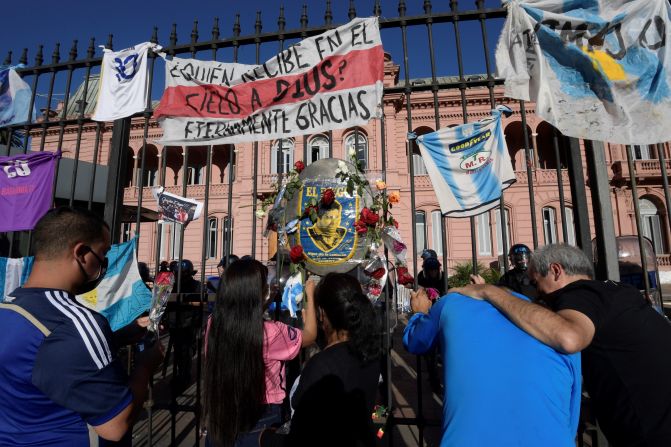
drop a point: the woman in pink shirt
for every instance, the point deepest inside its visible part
(244, 367)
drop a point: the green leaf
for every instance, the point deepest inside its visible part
(350, 187)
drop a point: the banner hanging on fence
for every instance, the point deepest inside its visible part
(15, 96)
(123, 83)
(330, 81)
(26, 189)
(597, 69)
(174, 208)
(469, 165)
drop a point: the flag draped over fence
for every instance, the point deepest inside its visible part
(469, 165)
(330, 81)
(15, 96)
(26, 189)
(121, 296)
(123, 83)
(597, 69)
(13, 273)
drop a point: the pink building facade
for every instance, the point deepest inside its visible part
(206, 237)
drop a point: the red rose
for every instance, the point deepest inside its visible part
(369, 217)
(404, 277)
(328, 196)
(296, 254)
(378, 274)
(299, 166)
(360, 227)
(308, 211)
(375, 290)
(395, 223)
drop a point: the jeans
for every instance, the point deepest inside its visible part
(271, 416)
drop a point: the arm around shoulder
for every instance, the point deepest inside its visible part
(567, 331)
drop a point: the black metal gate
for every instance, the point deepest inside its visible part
(100, 184)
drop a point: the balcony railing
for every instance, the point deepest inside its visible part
(644, 169)
(664, 260)
(192, 191)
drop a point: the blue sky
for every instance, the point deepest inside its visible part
(28, 24)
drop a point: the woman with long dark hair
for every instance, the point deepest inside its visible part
(336, 392)
(244, 370)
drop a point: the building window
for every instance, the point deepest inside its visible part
(570, 226)
(170, 241)
(318, 148)
(359, 142)
(418, 164)
(126, 234)
(437, 231)
(652, 225)
(642, 152)
(233, 166)
(285, 160)
(420, 231)
(196, 175)
(212, 231)
(227, 232)
(484, 234)
(499, 231)
(549, 225)
(149, 176)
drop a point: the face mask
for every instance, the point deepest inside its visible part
(91, 284)
(521, 261)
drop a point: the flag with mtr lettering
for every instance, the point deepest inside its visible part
(325, 82)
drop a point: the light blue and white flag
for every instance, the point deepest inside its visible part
(13, 273)
(292, 296)
(15, 95)
(597, 69)
(469, 165)
(121, 296)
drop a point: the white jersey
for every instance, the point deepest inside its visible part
(469, 165)
(123, 83)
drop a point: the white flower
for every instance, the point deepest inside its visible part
(352, 152)
(342, 168)
(260, 214)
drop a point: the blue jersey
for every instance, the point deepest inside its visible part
(58, 373)
(502, 387)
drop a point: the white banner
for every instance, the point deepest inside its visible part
(326, 82)
(123, 83)
(595, 68)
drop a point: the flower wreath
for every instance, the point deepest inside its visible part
(375, 222)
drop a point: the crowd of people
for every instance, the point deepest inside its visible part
(516, 356)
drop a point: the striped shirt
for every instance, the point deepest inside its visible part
(58, 371)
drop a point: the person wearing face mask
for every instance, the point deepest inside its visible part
(58, 368)
(517, 279)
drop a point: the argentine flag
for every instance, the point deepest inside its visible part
(15, 95)
(13, 273)
(469, 165)
(121, 296)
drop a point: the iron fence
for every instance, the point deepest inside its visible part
(72, 116)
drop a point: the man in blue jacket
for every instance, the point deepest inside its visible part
(502, 386)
